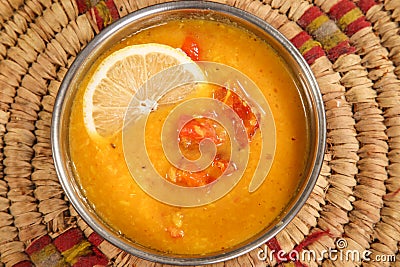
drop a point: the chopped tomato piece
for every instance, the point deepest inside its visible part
(175, 232)
(240, 106)
(191, 48)
(198, 129)
(200, 178)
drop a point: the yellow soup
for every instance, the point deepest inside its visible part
(239, 215)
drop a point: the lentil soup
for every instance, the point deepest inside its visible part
(120, 202)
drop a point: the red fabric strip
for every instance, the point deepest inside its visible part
(98, 18)
(299, 264)
(300, 39)
(313, 54)
(96, 259)
(310, 239)
(95, 239)
(274, 245)
(113, 9)
(23, 264)
(90, 261)
(365, 5)
(341, 8)
(83, 6)
(341, 49)
(308, 16)
(68, 239)
(38, 244)
(357, 25)
(99, 254)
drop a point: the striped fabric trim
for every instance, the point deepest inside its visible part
(309, 48)
(326, 32)
(68, 249)
(350, 18)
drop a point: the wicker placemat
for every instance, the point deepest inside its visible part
(353, 49)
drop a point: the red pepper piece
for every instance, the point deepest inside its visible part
(242, 109)
(191, 48)
(195, 179)
(198, 129)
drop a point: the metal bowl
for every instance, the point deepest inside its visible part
(151, 16)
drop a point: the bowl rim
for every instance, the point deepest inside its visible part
(224, 9)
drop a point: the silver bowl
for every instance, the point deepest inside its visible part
(151, 16)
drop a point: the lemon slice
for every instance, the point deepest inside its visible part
(117, 79)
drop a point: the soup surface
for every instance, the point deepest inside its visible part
(120, 201)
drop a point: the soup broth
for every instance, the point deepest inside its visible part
(120, 202)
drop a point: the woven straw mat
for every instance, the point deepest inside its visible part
(353, 49)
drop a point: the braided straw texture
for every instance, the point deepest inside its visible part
(353, 49)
